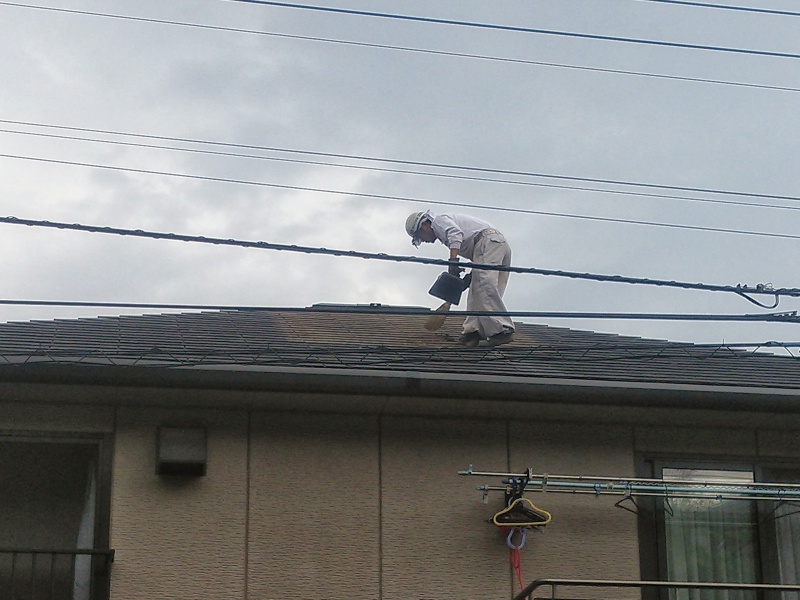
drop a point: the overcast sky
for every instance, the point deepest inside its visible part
(151, 74)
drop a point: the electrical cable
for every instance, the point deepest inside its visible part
(415, 163)
(517, 29)
(743, 291)
(526, 211)
(637, 345)
(766, 11)
(412, 49)
(401, 171)
(379, 309)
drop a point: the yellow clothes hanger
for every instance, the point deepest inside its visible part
(522, 513)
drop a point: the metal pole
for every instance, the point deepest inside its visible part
(648, 487)
(606, 583)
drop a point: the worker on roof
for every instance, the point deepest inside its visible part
(478, 242)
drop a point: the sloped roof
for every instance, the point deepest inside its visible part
(367, 340)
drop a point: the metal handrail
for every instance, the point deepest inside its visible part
(50, 573)
(80, 551)
(537, 583)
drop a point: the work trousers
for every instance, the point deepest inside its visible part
(487, 287)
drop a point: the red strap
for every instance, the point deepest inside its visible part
(514, 556)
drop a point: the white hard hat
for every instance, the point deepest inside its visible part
(413, 222)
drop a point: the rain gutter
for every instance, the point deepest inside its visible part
(411, 384)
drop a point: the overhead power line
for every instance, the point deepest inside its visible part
(410, 49)
(353, 194)
(517, 29)
(387, 169)
(380, 309)
(415, 163)
(749, 9)
(743, 291)
(484, 179)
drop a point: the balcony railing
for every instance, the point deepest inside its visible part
(548, 589)
(47, 574)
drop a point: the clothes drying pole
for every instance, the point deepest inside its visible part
(640, 487)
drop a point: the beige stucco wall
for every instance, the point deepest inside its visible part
(436, 542)
(314, 507)
(21, 417)
(588, 538)
(178, 538)
(350, 506)
(368, 506)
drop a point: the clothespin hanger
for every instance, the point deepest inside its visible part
(516, 486)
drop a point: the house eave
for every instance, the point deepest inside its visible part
(408, 384)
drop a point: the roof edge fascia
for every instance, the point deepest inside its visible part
(413, 383)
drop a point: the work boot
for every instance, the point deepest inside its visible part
(470, 340)
(504, 337)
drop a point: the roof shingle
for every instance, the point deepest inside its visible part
(370, 340)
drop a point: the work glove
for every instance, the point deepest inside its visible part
(453, 267)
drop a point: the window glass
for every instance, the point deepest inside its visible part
(787, 531)
(785, 518)
(711, 540)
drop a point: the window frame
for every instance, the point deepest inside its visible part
(651, 526)
(103, 443)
